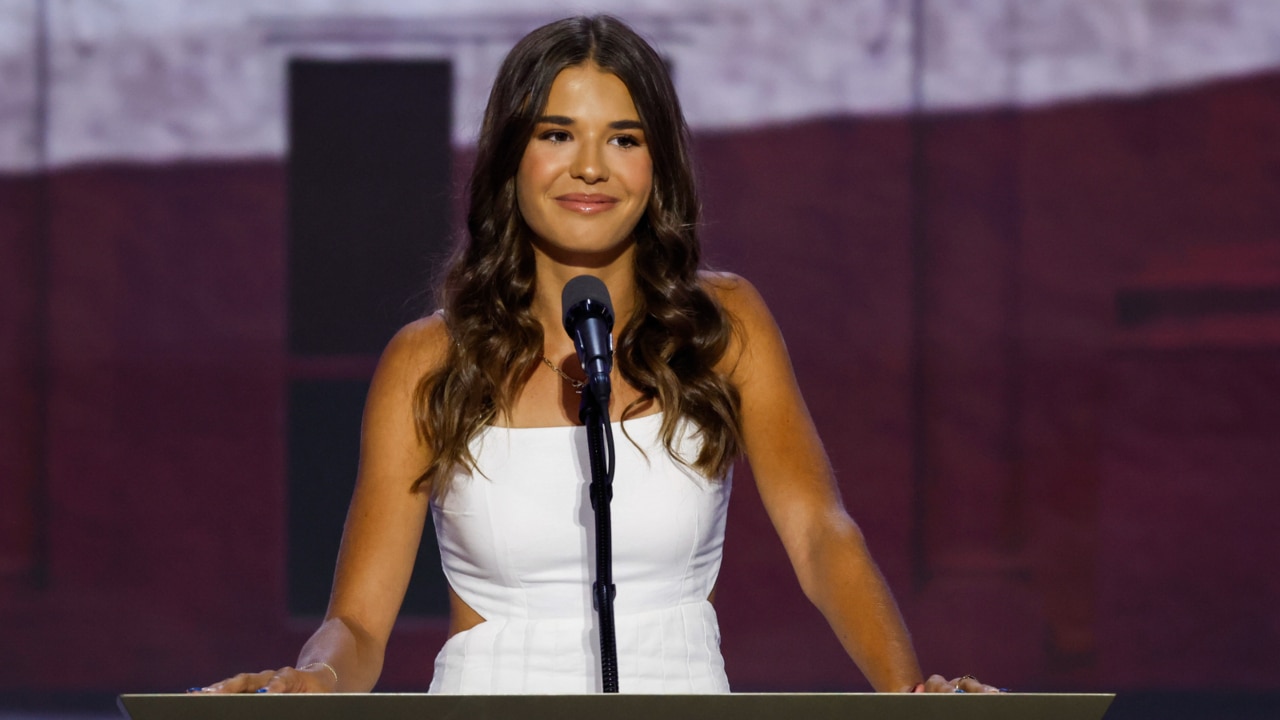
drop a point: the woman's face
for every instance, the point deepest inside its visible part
(586, 174)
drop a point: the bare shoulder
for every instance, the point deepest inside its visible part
(755, 334)
(391, 450)
(740, 298)
(416, 350)
(735, 294)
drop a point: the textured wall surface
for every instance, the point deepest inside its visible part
(161, 80)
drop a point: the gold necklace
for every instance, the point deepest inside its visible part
(576, 384)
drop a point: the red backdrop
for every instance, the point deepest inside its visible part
(1041, 346)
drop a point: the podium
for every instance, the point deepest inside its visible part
(734, 706)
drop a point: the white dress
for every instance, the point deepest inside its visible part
(517, 545)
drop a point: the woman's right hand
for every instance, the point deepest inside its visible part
(313, 678)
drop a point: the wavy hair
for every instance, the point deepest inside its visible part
(678, 333)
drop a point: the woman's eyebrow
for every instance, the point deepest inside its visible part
(555, 120)
(566, 120)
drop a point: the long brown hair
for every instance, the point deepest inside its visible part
(678, 333)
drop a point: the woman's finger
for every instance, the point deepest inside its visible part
(971, 684)
(938, 684)
(296, 680)
(284, 680)
(962, 684)
(242, 683)
(277, 683)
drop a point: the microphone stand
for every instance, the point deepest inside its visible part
(594, 414)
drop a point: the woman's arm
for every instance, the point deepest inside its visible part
(798, 489)
(380, 540)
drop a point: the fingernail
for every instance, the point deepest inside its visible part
(195, 689)
(261, 690)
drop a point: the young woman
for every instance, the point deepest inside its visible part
(583, 168)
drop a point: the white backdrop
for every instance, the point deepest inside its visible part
(162, 80)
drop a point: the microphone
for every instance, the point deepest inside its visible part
(588, 318)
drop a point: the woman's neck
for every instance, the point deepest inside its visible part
(618, 277)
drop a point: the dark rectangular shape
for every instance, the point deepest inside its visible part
(324, 451)
(369, 199)
(1141, 306)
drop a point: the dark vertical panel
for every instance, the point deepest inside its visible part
(324, 445)
(368, 196)
(369, 211)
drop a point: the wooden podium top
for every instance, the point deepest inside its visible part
(735, 706)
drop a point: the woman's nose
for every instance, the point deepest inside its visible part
(589, 164)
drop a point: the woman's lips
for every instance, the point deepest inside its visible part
(587, 204)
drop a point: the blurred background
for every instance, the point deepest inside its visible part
(1026, 255)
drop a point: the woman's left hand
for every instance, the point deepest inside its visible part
(962, 684)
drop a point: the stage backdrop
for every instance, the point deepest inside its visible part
(1026, 257)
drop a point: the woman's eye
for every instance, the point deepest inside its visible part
(626, 141)
(556, 136)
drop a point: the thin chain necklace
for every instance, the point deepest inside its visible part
(576, 384)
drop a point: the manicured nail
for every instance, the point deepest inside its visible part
(195, 689)
(262, 689)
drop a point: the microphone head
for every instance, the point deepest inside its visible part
(585, 296)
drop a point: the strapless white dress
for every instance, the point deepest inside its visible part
(517, 543)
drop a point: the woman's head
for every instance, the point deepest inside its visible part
(677, 334)
(519, 97)
(586, 177)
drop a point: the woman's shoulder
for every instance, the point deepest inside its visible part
(736, 295)
(417, 349)
(754, 335)
(719, 281)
